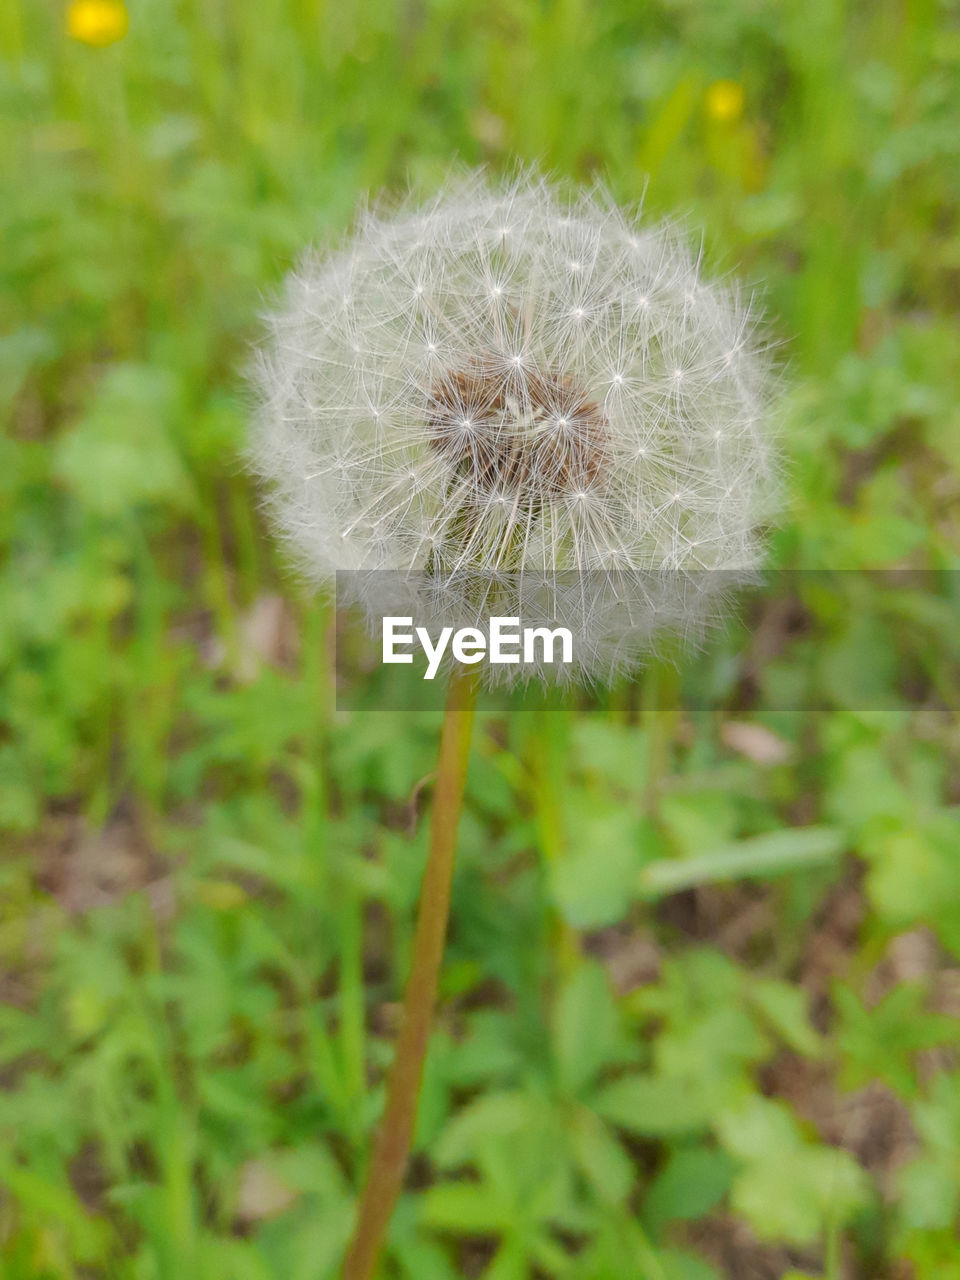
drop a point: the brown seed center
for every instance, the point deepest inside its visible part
(504, 427)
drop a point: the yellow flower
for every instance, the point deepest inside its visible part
(725, 101)
(97, 22)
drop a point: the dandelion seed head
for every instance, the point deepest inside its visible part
(461, 443)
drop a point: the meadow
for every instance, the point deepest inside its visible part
(700, 1012)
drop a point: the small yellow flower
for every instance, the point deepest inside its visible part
(220, 895)
(725, 101)
(97, 22)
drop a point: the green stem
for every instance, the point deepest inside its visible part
(660, 719)
(385, 1176)
(548, 761)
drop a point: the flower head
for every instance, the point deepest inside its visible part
(518, 403)
(725, 100)
(97, 22)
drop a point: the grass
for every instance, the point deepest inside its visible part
(700, 1007)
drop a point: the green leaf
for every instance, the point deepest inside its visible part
(863, 793)
(784, 1008)
(929, 1195)
(914, 877)
(611, 752)
(655, 1104)
(466, 1207)
(881, 1042)
(510, 1263)
(678, 1264)
(787, 1188)
(120, 454)
(600, 1157)
(929, 1185)
(692, 1182)
(492, 1117)
(773, 853)
(593, 883)
(698, 822)
(585, 1026)
(88, 1235)
(712, 1046)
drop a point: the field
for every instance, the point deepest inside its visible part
(700, 1012)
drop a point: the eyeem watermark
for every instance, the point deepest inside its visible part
(504, 642)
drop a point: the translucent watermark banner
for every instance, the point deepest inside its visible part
(727, 640)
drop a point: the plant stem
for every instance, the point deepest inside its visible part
(389, 1162)
(548, 759)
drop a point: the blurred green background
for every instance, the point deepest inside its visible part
(701, 1008)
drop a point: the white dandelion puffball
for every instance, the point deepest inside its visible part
(510, 402)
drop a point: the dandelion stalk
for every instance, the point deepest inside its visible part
(389, 1162)
(510, 404)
